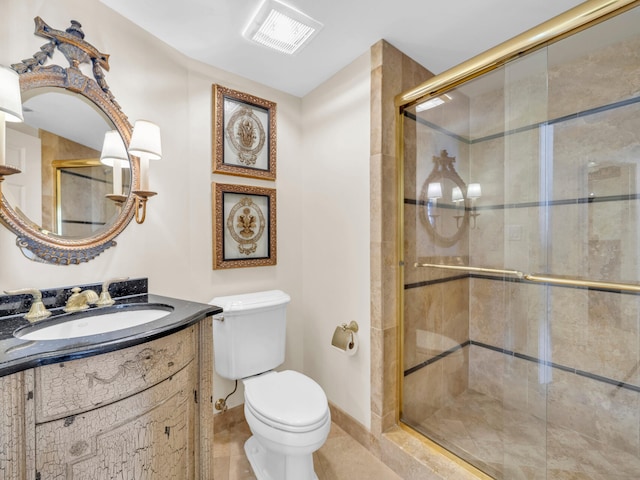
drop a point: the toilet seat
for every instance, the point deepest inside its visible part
(287, 400)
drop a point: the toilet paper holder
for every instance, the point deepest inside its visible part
(344, 336)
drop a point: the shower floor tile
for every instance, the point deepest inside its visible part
(510, 444)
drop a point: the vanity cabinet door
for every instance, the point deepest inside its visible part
(16, 426)
(69, 388)
(148, 436)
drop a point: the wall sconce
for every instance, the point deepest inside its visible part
(145, 144)
(114, 155)
(457, 198)
(10, 111)
(474, 191)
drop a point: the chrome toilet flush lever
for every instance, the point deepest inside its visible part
(37, 311)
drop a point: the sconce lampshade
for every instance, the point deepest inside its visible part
(434, 190)
(113, 150)
(474, 190)
(10, 99)
(145, 140)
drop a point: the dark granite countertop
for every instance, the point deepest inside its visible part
(18, 354)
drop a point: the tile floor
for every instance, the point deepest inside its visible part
(340, 458)
(513, 445)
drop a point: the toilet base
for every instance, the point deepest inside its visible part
(273, 466)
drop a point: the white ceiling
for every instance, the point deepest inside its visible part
(439, 35)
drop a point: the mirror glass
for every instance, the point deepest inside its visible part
(63, 187)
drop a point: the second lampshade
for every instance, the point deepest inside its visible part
(145, 143)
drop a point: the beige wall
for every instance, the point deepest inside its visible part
(173, 247)
(335, 262)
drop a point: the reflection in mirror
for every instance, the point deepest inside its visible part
(81, 197)
(443, 211)
(114, 154)
(64, 187)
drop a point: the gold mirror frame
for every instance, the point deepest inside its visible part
(36, 243)
(443, 169)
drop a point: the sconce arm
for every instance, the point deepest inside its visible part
(141, 204)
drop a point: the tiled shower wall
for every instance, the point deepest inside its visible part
(569, 355)
(436, 316)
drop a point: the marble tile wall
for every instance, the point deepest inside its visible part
(598, 410)
(558, 197)
(590, 331)
(434, 386)
(434, 325)
(590, 230)
(435, 320)
(391, 73)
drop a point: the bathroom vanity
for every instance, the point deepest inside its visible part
(110, 396)
(131, 404)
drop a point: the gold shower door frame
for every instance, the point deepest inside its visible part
(564, 25)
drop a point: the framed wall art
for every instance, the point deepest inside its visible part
(244, 134)
(244, 226)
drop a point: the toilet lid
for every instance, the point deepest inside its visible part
(287, 399)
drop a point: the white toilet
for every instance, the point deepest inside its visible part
(287, 412)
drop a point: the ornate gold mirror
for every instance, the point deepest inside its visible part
(443, 198)
(64, 204)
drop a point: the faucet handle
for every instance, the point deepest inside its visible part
(37, 311)
(105, 298)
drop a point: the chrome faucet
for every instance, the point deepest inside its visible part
(80, 300)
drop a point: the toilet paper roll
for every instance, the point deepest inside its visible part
(345, 340)
(353, 347)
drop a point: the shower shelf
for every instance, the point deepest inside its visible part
(539, 278)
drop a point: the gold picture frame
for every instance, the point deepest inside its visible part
(244, 134)
(244, 226)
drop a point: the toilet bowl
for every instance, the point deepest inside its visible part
(289, 418)
(287, 412)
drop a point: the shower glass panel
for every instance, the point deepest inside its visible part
(531, 168)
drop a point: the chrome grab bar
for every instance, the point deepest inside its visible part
(538, 278)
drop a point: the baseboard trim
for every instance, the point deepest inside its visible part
(227, 419)
(354, 428)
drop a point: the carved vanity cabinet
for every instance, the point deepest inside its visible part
(135, 413)
(17, 426)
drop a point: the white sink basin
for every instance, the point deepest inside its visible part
(88, 325)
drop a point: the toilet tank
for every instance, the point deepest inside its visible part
(249, 336)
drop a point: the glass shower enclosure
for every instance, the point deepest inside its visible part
(521, 233)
